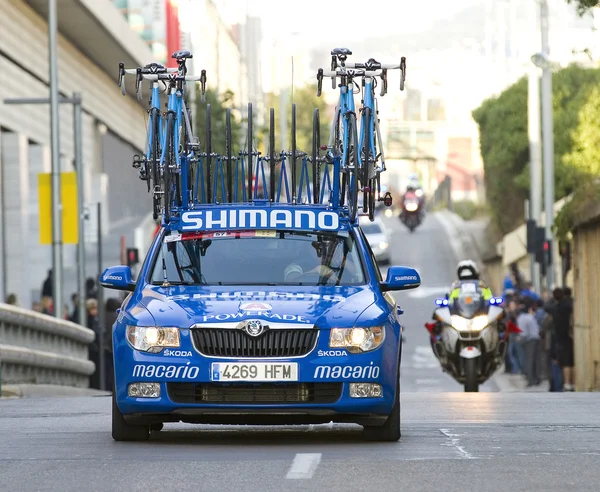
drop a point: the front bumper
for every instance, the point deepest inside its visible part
(192, 396)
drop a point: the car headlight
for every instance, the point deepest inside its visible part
(152, 339)
(383, 245)
(476, 324)
(357, 340)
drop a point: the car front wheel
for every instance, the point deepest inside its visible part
(122, 431)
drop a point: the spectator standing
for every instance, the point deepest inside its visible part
(94, 348)
(112, 304)
(562, 315)
(91, 290)
(530, 340)
(48, 286)
(514, 349)
(12, 300)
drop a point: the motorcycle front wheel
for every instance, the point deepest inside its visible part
(471, 381)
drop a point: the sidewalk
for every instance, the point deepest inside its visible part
(46, 390)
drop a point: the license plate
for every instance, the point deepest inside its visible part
(255, 371)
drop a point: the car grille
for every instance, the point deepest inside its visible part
(254, 393)
(224, 342)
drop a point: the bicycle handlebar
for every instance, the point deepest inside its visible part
(371, 68)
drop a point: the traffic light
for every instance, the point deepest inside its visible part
(132, 257)
(548, 252)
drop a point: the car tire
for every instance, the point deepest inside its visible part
(390, 430)
(122, 431)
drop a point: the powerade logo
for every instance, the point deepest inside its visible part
(164, 371)
(259, 219)
(347, 372)
(278, 317)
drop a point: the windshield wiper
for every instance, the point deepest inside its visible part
(177, 282)
(247, 283)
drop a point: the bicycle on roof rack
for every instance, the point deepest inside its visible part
(170, 144)
(360, 157)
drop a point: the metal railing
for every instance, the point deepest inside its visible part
(40, 349)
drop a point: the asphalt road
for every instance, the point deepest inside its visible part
(430, 250)
(451, 440)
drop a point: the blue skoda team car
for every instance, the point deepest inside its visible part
(258, 314)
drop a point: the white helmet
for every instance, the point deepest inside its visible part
(467, 270)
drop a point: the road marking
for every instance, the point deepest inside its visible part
(454, 441)
(427, 381)
(304, 465)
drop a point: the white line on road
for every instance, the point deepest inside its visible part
(304, 465)
(455, 442)
(426, 381)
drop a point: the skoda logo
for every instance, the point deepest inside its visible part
(253, 327)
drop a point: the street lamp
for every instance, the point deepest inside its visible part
(542, 60)
(534, 131)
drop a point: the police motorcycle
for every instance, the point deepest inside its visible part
(469, 335)
(412, 213)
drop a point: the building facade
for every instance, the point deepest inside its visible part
(93, 39)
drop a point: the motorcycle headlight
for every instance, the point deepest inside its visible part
(357, 340)
(478, 323)
(152, 339)
(411, 207)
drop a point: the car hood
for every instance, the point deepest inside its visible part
(184, 306)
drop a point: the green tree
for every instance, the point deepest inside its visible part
(584, 5)
(502, 124)
(585, 153)
(219, 103)
(306, 101)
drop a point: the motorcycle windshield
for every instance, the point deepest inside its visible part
(470, 301)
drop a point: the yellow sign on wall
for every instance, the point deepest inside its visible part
(70, 212)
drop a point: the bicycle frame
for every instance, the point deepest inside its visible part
(176, 104)
(155, 104)
(371, 123)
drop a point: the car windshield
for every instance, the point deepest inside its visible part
(259, 258)
(371, 228)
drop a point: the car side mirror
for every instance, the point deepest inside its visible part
(401, 278)
(117, 278)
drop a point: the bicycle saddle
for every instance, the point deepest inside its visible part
(182, 55)
(155, 68)
(341, 51)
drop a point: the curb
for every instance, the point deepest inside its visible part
(47, 390)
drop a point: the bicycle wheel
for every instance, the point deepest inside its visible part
(351, 168)
(155, 157)
(366, 154)
(293, 157)
(250, 169)
(272, 154)
(169, 163)
(316, 163)
(228, 153)
(187, 147)
(209, 198)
